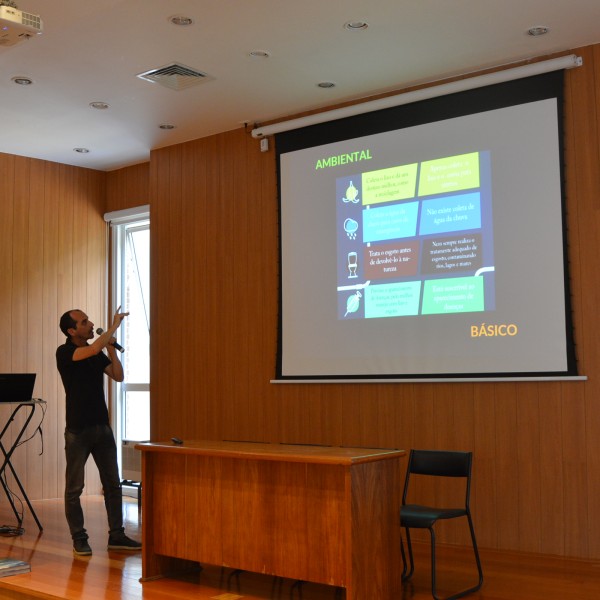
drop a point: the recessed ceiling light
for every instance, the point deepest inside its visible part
(537, 30)
(20, 80)
(166, 126)
(355, 25)
(326, 84)
(259, 54)
(99, 105)
(81, 150)
(181, 20)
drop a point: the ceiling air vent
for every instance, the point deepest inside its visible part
(175, 76)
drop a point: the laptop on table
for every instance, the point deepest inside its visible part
(16, 387)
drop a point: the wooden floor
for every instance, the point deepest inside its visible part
(56, 573)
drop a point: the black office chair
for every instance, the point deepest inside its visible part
(436, 463)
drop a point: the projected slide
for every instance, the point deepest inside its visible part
(416, 244)
(416, 239)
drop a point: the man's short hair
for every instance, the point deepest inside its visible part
(68, 322)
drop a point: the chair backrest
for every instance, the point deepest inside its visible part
(440, 463)
(443, 463)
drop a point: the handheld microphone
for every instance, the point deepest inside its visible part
(117, 346)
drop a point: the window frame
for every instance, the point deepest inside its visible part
(118, 221)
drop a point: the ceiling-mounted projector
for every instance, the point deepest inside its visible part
(17, 26)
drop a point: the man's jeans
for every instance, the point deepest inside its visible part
(99, 441)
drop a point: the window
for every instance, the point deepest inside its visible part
(130, 245)
(135, 298)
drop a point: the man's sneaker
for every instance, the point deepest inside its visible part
(81, 548)
(122, 542)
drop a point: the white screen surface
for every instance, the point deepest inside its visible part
(430, 250)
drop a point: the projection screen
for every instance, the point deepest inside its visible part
(427, 240)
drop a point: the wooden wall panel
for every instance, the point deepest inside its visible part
(52, 254)
(35, 319)
(215, 261)
(483, 493)
(552, 530)
(7, 192)
(208, 312)
(128, 187)
(580, 410)
(53, 273)
(589, 231)
(528, 471)
(18, 311)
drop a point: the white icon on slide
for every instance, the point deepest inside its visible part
(356, 286)
(353, 303)
(352, 265)
(350, 227)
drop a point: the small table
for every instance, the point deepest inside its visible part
(311, 513)
(29, 406)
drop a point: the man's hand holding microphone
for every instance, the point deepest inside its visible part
(107, 337)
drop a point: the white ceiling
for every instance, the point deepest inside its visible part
(92, 50)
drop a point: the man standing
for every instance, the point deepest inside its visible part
(82, 367)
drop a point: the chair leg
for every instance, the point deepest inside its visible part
(276, 587)
(296, 586)
(406, 576)
(234, 574)
(433, 565)
(477, 560)
(476, 552)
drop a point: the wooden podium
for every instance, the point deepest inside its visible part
(313, 513)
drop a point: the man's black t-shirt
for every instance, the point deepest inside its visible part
(84, 387)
